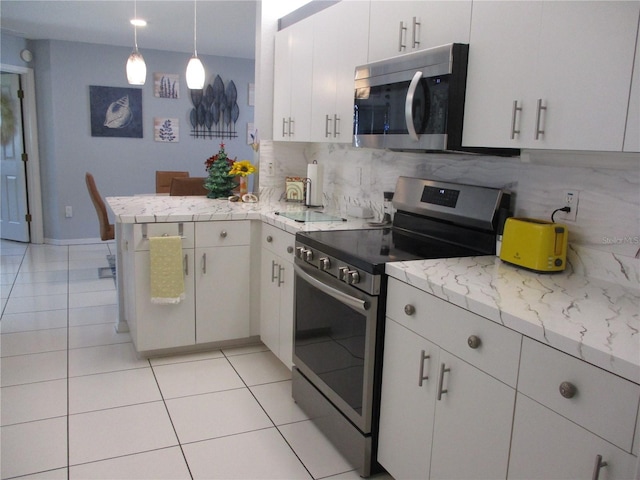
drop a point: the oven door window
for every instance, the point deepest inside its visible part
(335, 343)
(380, 110)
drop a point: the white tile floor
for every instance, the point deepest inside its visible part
(77, 403)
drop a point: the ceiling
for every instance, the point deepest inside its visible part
(224, 28)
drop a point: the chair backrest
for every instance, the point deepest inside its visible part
(188, 186)
(106, 229)
(163, 179)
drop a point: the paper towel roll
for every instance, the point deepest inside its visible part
(314, 187)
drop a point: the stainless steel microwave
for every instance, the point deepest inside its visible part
(413, 101)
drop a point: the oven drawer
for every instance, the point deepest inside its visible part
(278, 241)
(601, 402)
(483, 343)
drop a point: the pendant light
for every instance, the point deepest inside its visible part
(195, 69)
(136, 68)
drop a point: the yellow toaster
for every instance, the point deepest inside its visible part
(535, 244)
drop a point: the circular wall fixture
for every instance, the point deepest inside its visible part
(26, 55)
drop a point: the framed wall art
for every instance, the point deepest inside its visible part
(166, 85)
(115, 111)
(166, 130)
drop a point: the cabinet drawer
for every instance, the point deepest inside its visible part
(142, 232)
(278, 241)
(603, 403)
(223, 233)
(483, 343)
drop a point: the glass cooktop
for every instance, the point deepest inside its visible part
(370, 249)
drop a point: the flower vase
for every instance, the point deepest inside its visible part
(244, 185)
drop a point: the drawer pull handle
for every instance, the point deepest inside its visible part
(269, 239)
(289, 249)
(204, 263)
(443, 370)
(223, 234)
(409, 309)
(568, 389)
(474, 341)
(596, 469)
(423, 357)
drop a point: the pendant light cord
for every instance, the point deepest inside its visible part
(195, 26)
(135, 27)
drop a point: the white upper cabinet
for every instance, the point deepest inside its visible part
(550, 75)
(340, 44)
(292, 79)
(398, 27)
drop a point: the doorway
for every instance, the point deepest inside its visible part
(20, 194)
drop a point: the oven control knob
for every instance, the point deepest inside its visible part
(308, 255)
(353, 277)
(343, 273)
(299, 252)
(325, 264)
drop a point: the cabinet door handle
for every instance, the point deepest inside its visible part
(539, 109)
(186, 264)
(269, 239)
(204, 263)
(291, 122)
(336, 119)
(514, 114)
(289, 249)
(416, 24)
(443, 370)
(423, 357)
(223, 234)
(284, 125)
(403, 29)
(280, 270)
(327, 121)
(273, 269)
(596, 469)
(409, 309)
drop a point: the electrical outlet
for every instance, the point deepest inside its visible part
(68, 211)
(571, 198)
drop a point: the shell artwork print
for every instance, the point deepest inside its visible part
(118, 114)
(115, 111)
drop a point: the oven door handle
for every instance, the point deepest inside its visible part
(342, 297)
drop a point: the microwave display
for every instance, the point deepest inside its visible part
(380, 110)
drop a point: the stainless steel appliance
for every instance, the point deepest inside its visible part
(340, 295)
(413, 101)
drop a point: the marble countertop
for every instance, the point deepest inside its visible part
(591, 319)
(588, 318)
(163, 208)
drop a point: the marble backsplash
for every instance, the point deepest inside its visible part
(604, 239)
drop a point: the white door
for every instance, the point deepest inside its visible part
(13, 186)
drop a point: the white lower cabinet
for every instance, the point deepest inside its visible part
(547, 445)
(276, 295)
(216, 263)
(570, 418)
(222, 280)
(441, 416)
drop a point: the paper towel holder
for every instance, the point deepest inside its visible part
(309, 193)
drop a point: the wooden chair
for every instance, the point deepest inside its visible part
(183, 186)
(163, 179)
(107, 231)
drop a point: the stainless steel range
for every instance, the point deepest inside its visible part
(340, 295)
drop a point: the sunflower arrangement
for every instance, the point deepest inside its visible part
(242, 168)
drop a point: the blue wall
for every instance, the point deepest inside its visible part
(122, 166)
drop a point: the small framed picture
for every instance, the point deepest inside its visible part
(115, 111)
(166, 85)
(166, 130)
